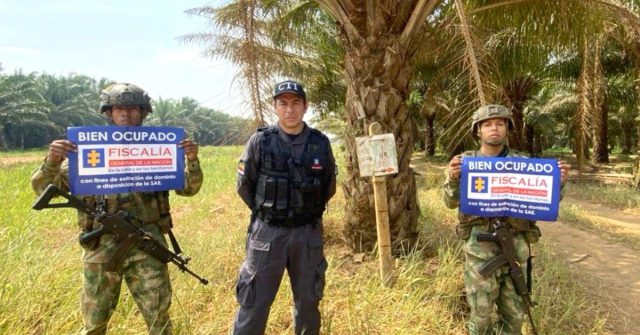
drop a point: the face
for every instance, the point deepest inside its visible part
(126, 115)
(290, 109)
(493, 132)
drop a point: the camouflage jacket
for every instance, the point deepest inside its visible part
(150, 210)
(451, 198)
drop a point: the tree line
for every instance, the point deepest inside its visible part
(37, 108)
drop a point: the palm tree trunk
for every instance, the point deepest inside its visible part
(585, 107)
(3, 140)
(517, 92)
(627, 139)
(636, 179)
(529, 135)
(601, 137)
(379, 95)
(429, 138)
(380, 40)
(538, 145)
(600, 110)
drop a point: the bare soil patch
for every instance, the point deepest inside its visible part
(608, 269)
(6, 161)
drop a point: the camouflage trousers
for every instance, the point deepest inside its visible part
(485, 294)
(148, 283)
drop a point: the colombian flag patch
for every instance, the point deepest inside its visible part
(241, 167)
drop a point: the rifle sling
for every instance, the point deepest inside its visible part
(174, 243)
(101, 207)
(529, 270)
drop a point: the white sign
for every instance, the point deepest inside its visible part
(377, 155)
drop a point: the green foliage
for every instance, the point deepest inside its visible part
(207, 126)
(37, 108)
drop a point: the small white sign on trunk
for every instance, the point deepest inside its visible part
(377, 155)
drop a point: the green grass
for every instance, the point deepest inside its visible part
(618, 196)
(40, 269)
(586, 220)
(16, 153)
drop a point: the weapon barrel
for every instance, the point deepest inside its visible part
(486, 237)
(202, 280)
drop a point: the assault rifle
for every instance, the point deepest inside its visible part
(127, 233)
(503, 236)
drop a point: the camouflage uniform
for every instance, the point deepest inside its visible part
(147, 278)
(483, 293)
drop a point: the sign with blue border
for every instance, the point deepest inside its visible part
(519, 187)
(115, 159)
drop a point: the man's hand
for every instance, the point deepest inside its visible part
(190, 149)
(455, 168)
(564, 170)
(59, 149)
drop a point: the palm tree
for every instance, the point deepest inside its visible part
(23, 110)
(381, 42)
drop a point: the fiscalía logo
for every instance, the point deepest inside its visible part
(480, 184)
(93, 158)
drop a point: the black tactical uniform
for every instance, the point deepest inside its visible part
(287, 181)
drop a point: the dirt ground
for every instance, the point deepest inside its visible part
(607, 268)
(6, 161)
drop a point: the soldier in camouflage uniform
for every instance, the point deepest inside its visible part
(491, 124)
(147, 278)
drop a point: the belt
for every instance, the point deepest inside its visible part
(286, 222)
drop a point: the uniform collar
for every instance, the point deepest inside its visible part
(302, 137)
(503, 153)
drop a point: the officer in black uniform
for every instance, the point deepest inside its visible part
(286, 175)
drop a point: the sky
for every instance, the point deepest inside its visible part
(134, 41)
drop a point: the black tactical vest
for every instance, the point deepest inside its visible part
(291, 188)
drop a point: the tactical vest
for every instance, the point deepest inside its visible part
(288, 187)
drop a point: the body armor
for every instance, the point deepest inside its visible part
(291, 188)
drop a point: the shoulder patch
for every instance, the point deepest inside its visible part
(241, 167)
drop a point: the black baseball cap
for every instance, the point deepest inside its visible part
(289, 86)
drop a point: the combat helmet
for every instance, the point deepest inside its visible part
(487, 112)
(124, 94)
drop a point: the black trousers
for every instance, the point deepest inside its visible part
(271, 250)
